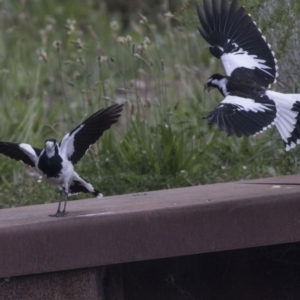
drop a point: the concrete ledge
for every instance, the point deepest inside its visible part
(150, 225)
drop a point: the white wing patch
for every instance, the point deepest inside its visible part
(246, 104)
(67, 143)
(28, 150)
(242, 58)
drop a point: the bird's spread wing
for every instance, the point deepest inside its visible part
(76, 143)
(243, 116)
(21, 152)
(237, 41)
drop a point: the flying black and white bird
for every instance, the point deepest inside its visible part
(56, 161)
(249, 106)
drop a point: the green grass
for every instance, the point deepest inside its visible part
(54, 73)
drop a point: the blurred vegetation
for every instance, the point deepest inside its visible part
(62, 61)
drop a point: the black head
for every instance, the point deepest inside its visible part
(217, 81)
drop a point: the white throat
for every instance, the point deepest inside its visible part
(50, 149)
(221, 84)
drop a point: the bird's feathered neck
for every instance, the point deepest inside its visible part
(220, 82)
(233, 85)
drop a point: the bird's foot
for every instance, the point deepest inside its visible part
(64, 213)
(59, 214)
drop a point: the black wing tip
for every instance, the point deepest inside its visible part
(115, 108)
(113, 111)
(117, 105)
(13, 151)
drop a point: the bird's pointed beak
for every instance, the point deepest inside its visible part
(206, 87)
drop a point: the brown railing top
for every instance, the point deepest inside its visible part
(150, 225)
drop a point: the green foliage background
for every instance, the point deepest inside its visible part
(61, 61)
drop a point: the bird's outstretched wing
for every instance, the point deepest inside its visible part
(21, 152)
(76, 143)
(235, 39)
(243, 116)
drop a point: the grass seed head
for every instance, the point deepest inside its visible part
(146, 41)
(78, 44)
(121, 40)
(169, 15)
(70, 26)
(57, 45)
(42, 55)
(102, 59)
(128, 40)
(115, 26)
(143, 20)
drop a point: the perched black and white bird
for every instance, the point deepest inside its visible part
(56, 161)
(249, 106)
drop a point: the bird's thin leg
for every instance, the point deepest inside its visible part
(58, 213)
(64, 212)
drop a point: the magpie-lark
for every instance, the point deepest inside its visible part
(56, 161)
(249, 106)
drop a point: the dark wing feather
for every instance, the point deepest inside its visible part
(235, 39)
(216, 13)
(242, 119)
(223, 16)
(76, 143)
(208, 14)
(20, 152)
